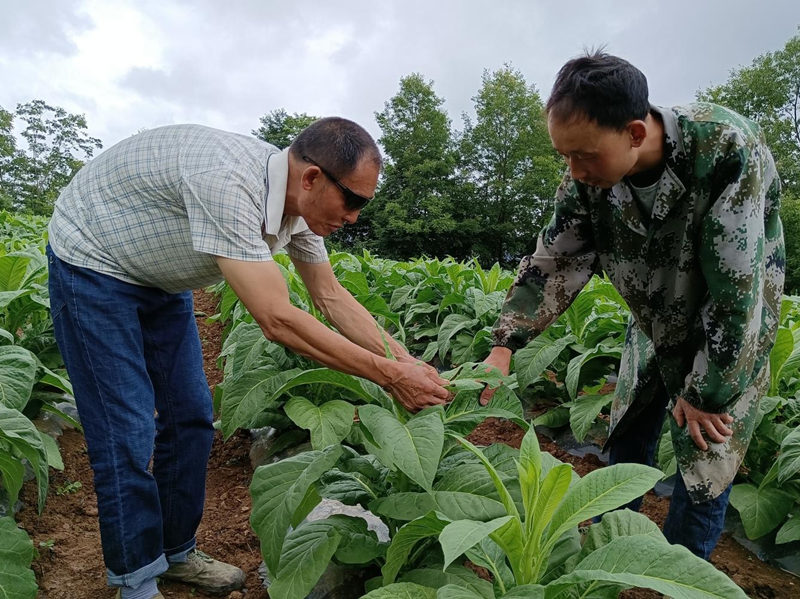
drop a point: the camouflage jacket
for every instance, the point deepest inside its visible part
(703, 277)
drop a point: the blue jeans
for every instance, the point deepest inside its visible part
(696, 526)
(133, 355)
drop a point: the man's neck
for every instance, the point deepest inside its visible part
(651, 156)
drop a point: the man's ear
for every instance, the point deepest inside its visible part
(637, 130)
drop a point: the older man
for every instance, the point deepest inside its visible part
(155, 216)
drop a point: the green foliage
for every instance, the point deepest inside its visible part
(509, 166)
(17, 580)
(279, 128)
(414, 212)
(56, 145)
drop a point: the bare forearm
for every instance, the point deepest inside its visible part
(353, 321)
(303, 334)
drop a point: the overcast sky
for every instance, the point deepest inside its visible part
(129, 65)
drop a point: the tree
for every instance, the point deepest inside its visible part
(768, 91)
(414, 212)
(510, 166)
(280, 128)
(57, 145)
(8, 149)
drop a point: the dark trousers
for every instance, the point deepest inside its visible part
(696, 526)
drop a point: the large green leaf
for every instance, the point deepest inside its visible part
(647, 562)
(404, 541)
(12, 270)
(600, 491)
(17, 375)
(328, 423)
(760, 509)
(578, 362)
(531, 360)
(278, 491)
(414, 447)
(22, 435)
(326, 376)
(452, 324)
(784, 344)
(789, 457)
(402, 590)
(249, 395)
(306, 553)
(12, 474)
(17, 580)
(458, 537)
(584, 411)
(453, 578)
(790, 531)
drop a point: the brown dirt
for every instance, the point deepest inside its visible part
(70, 566)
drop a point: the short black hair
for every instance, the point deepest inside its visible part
(336, 143)
(603, 88)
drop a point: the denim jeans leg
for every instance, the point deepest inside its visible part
(184, 430)
(98, 332)
(696, 526)
(637, 444)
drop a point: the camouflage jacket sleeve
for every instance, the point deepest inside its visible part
(738, 237)
(549, 280)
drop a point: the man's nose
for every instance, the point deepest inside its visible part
(350, 217)
(576, 170)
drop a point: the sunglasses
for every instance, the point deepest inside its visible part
(352, 200)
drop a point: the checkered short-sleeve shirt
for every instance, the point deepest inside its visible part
(156, 208)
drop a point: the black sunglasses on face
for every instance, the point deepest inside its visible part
(352, 200)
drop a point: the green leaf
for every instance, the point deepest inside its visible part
(327, 376)
(328, 423)
(13, 473)
(414, 447)
(53, 454)
(454, 577)
(600, 491)
(555, 418)
(247, 396)
(17, 580)
(358, 544)
(306, 553)
(646, 562)
(452, 324)
(526, 591)
(760, 509)
(790, 531)
(20, 432)
(17, 376)
(784, 344)
(278, 491)
(402, 590)
(584, 412)
(789, 457)
(458, 537)
(578, 362)
(531, 360)
(404, 541)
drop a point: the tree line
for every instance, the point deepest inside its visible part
(481, 190)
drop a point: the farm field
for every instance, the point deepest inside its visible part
(67, 536)
(432, 478)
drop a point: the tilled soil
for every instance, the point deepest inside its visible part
(69, 564)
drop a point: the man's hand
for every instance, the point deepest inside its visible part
(417, 386)
(500, 358)
(715, 425)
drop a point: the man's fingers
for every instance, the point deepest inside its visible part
(697, 435)
(486, 395)
(677, 413)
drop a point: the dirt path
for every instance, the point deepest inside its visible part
(66, 535)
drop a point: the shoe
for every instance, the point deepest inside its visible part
(206, 573)
(156, 596)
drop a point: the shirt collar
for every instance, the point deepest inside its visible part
(277, 177)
